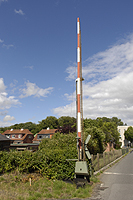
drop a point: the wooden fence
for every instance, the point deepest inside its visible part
(101, 160)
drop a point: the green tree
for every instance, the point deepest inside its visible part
(51, 122)
(117, 121)
(96, 142)
(66, 120)
(29, 125)
(89, 123)
(16, 126)
(67, 124)
(111, 133)
(106, 119)
(129, 134)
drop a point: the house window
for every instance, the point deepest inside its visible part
(8, 136)
(40, 136)
(13, 136)
(119, 130)
(29, 136)
(19, 136)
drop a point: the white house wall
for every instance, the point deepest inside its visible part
(121, 130)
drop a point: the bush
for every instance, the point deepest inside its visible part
(57, 150)
(49, 160)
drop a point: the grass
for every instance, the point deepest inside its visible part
(14, 187)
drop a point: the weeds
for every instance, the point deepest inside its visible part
(18, 187)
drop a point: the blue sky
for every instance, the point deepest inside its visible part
(38, 59)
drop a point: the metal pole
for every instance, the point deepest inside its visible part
(79, 129)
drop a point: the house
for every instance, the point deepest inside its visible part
(44, 133)
(4, 143)
(25, 146)
(121, 130)
(19, 136)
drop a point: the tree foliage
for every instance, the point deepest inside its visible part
(96, 142)
(108, 126)
(49, 160)
(64, 124)
(111, 133)
(67, 124)
(66, 120)
(51, 122)
(129, 134)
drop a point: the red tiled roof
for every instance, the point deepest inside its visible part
(15, 131)
(48, 131)
(25, 132)
(45, 131)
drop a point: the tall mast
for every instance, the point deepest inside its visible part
(81, 166)
(79, 89)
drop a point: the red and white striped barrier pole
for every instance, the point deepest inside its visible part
(79, 83)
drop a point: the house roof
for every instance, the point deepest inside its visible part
(45, 131)
(3, 138)
(17, 131)
(48, 131)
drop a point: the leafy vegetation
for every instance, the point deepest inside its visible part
(96, 142)
(64, 124)
(17, 186)
(50, 160)
(102, 130)
(129, 134)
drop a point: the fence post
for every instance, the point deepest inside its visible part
(98, 160)
(108, 157)
(104, 158)
(120, 152)
(113, 156)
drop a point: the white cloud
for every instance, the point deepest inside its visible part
(106, 64)
(14, 83)
(2, 86)
(71, 70)
(8, 118)
(20, 12)
(29, 67)
(68, 110)
(5, 101)
(8, 46)
(5, 124)
(108, 83)
(33, 90)
(1, 41)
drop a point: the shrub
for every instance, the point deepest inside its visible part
(49, 160)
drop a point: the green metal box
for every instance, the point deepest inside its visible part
(81, 168)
